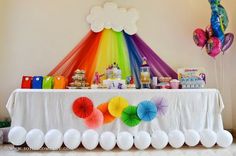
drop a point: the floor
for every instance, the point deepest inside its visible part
(9, 150)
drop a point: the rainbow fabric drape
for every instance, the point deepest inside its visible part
(99, 50)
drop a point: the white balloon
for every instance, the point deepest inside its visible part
(208, 138)
(17, 135)
(159, 139)
(35, 139)
(125, 141)
(142, 140)
(224, 138)
(107, 140)
(72, 139)
(90, 139)
(53, 139)
(192, 137)
(176, 138)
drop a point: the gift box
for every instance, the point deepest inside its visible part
(192, 78)
(47, 82)
(37, 82)
(26, 82)
(60, 82)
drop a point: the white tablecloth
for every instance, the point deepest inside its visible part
(49, 109)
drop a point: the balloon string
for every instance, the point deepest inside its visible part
(216, 75)
(222, 74)
(220, 80)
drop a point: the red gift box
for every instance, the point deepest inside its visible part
(26, 82)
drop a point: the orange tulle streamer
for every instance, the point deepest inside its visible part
(83, 57)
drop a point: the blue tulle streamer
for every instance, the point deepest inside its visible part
(135, 59)
(138, 49)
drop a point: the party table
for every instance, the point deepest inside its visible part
(52, 109)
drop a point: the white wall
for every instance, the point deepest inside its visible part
(37, 34)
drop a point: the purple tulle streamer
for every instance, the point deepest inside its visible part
(157, 65)
(137, 50)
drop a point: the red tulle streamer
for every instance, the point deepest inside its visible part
(80, 57)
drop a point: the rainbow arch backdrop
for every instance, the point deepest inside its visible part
(97, 51)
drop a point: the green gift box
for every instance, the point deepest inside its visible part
(47, 82)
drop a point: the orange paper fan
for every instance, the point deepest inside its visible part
(107, 116)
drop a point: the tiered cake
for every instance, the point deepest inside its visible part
(113, 78)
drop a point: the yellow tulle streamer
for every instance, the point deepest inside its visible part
(112, 48)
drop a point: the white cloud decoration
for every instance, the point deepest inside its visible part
(111, 17)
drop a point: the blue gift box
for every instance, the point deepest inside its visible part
(37, 82)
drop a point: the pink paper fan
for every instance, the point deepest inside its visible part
(161, 105)
(95, 120)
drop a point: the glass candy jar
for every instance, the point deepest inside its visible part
(145, 74)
